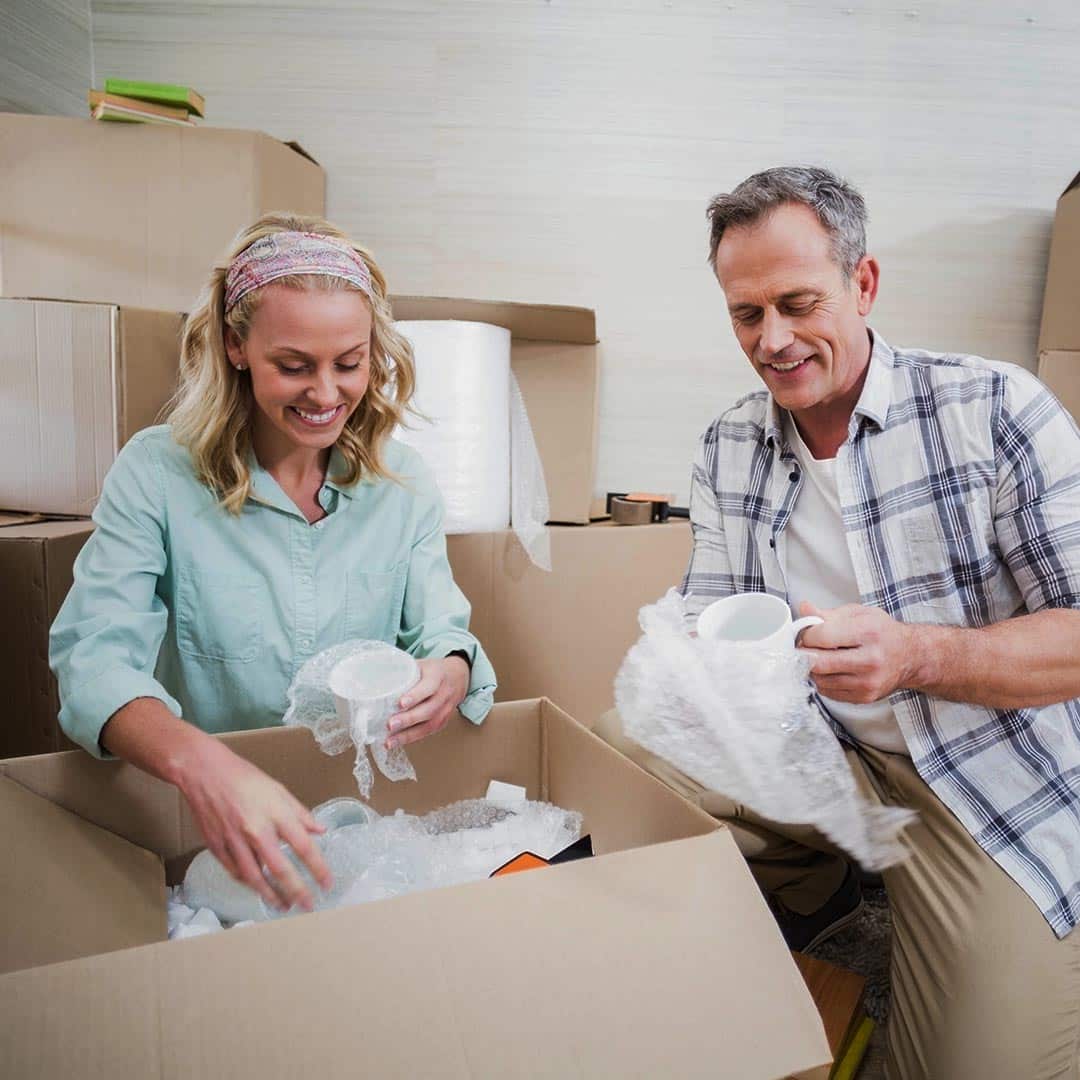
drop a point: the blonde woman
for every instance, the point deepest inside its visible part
(271, 518)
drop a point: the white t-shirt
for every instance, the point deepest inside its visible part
(819, 569)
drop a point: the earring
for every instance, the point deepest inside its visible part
(241, 367)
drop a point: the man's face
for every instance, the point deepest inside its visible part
(801, 323)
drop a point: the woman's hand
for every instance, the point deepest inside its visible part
(244, 815)
(428, 706)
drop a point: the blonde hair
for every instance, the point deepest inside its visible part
(212, 410)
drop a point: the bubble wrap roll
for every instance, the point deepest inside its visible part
(463, 389)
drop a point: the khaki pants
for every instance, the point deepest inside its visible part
(982, 989)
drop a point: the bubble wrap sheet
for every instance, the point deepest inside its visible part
(383, 857)
(311, 705)
(739, 721)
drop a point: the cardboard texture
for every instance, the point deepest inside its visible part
(564, 634)
(1059, 334)
(1060, 329)
(79, 381)
(1061, 372)
(553, 352)
(35, 575)
(660, 960)
(134, 214)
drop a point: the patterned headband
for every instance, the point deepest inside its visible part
(283, 254)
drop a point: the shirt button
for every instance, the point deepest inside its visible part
(772, 542)
(794, 476)
(305, 643)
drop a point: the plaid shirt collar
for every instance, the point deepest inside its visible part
(873, 403)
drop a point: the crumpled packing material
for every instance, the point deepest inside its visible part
(312, 705)
(375, 858)
(474, 432)
(740, 721)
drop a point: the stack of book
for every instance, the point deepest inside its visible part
(133, 102)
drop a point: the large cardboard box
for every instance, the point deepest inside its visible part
(553, 352)
(35, 576)
(1059, 335)
(134, 214)
(656, 958)
(79, 380)
(564, 634)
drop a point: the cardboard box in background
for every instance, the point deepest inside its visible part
(658, 957)
(135, 214)
(1059, 334)
(563, 635)
(79, 380)
(35, 576)
(553, 353)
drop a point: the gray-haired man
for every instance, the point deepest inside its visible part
(928, 507)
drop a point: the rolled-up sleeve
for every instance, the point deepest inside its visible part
(103, 646)
(435, 614)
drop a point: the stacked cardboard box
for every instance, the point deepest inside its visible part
(99, 224)
(1059, 335)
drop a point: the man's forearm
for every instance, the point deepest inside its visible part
(1023, 662)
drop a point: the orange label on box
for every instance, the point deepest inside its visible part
(525, 861)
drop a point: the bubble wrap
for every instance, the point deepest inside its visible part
(207, 884)
(529, 505)
(739, 720)
(459, 843)
(312, 705)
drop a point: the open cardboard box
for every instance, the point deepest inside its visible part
(656, 958)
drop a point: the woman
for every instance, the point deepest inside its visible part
(271, 518)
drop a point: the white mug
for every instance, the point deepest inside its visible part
(760, 618)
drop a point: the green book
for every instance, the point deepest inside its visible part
(159, 93)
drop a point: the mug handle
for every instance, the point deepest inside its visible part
(802, 624)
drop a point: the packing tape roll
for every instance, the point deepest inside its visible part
(631, 512)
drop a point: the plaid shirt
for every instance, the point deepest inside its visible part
(959, 486)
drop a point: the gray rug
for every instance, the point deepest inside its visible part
(863, 947)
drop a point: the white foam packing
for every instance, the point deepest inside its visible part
(740, 721)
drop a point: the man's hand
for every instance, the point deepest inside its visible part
(428, 706)
(858, 654)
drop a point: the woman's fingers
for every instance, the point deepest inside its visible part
(248, 871)
(282, 873)
(307, 851)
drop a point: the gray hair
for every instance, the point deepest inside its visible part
(838, 206)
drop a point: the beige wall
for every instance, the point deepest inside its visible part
(565, 151)
(45, 56)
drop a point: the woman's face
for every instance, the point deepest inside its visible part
(308, 356)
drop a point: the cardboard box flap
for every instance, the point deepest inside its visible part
(1075, 182)
(659, 962)
(620, 815)
(109, 794)
(530, 322)
(69, 888)
(554, 356)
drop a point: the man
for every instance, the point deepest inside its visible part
(927, 506)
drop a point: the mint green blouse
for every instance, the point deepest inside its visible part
(213, 614)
